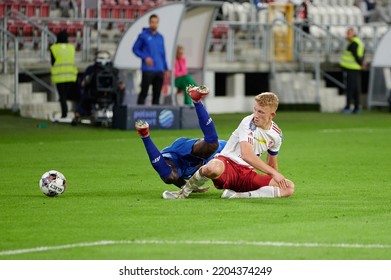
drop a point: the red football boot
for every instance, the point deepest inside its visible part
(142, 128)
(196, 93)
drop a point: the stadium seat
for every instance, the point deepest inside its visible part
(241, 15)
(27, 9)
(129, 12)
(11, 5)
(44, 10)
(2, 9)
(54, 26)
(115, 12)
(220, 31)
(91, 13)
(334, 20)
(142, 9)
(105, 11)
(340, 31)
(123, 2)
(263, 16)
(12, 27)
(109, 2)
(228, 11)
(71, 29)
(316, 19)
(27, 30)
(324, 15)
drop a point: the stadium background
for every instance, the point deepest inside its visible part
(239, 59)
(113, 203)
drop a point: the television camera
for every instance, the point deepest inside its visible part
(103, 89)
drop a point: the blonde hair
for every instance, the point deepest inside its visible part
(267, 99)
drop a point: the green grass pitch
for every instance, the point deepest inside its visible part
(112, 208)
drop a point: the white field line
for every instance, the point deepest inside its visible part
(353, 129)
(193, 242)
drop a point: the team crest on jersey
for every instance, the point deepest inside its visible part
(252, 126)
(260, 140)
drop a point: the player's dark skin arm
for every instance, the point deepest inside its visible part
(204, 149)
(173, 178)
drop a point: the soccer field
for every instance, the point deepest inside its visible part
(112, 208)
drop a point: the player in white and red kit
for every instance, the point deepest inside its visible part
(235, 168)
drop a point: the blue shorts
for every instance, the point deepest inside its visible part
(179, 152)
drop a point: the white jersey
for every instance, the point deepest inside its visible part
(262, 140)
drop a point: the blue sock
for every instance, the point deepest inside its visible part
(206, 123)
(157, 160)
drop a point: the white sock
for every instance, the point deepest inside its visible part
(266, 191)
(196, 181)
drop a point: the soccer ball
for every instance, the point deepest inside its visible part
(52, 183)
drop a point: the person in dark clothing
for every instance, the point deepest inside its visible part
(149, 46)
(100, 83)
(352, 63)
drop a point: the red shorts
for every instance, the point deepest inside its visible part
(240, 178)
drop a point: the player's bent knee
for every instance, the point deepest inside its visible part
(289, 190)
(213, 169)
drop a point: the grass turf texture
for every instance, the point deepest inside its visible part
(340, 164)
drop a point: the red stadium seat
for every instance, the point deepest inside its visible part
(27, 30)
(12, 27)
(143, 7)
(123, 2)
(44, 10)
(2, 9)
(78, 26)
(91, 13)
(71, 29)
(109, 2)
(11, 5)
(129, 12)
(220, 31)
(54, 26)
(27, 9)
(104, 11)
(116, 12)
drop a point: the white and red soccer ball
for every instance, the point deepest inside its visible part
(52, 183)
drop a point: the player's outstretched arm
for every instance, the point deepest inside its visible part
(249, 157)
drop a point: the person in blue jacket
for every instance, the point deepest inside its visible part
(149, 46)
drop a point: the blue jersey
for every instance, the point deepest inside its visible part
(151, 45)
(187, 164)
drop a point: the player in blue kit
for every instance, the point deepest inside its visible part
(179, 161)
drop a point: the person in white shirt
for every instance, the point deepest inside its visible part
(235, 169)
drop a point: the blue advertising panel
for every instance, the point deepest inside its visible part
(158, 117)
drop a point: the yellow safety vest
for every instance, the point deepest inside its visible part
(63, 69)
(347, 58)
